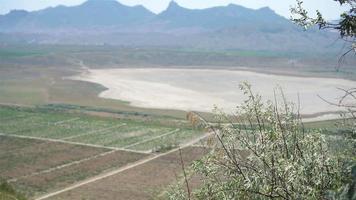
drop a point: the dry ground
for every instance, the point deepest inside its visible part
(37, 167)
(40, 154)
(201, 89)
(146, 181)
(20, 157)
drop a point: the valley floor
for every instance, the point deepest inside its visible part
(202, 89)
(46, 153)
(115, 133)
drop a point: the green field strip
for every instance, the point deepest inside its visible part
(53, 126)
(66, 121)
(10, 118)
(122, 142)
(50, 118)
(28, 122)
(126, 135)
(47, 117)
(88, 130)
(106, 138)
(68, 130)
(9, 114)
(66, 142)
(22, 125)
(55, 132)
(152, 138)
(92, 138)
(94, 132)
(169, 140)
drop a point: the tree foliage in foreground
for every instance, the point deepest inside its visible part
(345, 26)
(265, 153)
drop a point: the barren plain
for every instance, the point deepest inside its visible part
(202, 89)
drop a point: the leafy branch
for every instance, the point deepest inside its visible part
(345, 26)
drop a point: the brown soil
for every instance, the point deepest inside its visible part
(145, 181)
(66, 176)
(20, 157)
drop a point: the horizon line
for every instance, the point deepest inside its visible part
(156, 13)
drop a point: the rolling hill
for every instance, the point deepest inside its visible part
(90, 15)
(99, 22)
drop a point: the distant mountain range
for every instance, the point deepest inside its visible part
(109, 22)
(93, 14)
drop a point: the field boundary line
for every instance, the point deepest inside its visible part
(73, 143)
(13, 117)
(151, 139)
(65, 121)
(199, 145)
(94, 132)
(63, 166)
(122, 169)
(197, 139)
(16, 105)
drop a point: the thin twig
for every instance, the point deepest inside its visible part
(185, 174)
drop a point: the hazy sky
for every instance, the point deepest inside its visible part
(330, 9)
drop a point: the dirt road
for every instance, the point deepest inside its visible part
(122, 169)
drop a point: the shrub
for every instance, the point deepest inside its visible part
(264, 152)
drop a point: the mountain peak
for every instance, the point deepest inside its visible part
(114, 15)
(18, 12)
(173, 5)
(101, 2)
(232, 5)
(173, 9)
(236, 7)
(266, 9)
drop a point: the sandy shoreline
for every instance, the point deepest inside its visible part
(201, 89)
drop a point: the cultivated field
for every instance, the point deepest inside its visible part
(43, 150)
(146, 181)
(36, 167)
(141, 135)
(59, 139)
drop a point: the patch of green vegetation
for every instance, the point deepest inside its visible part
(123, 136)
(171, 140)
(70, 123)
(328, 124)
(335, 132)
(13, 52)
(63, 122)
(164, 148)
(7, 192)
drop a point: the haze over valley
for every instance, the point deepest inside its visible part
(106, 101)
(226, 27)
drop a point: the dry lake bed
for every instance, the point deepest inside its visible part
(201, 89)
